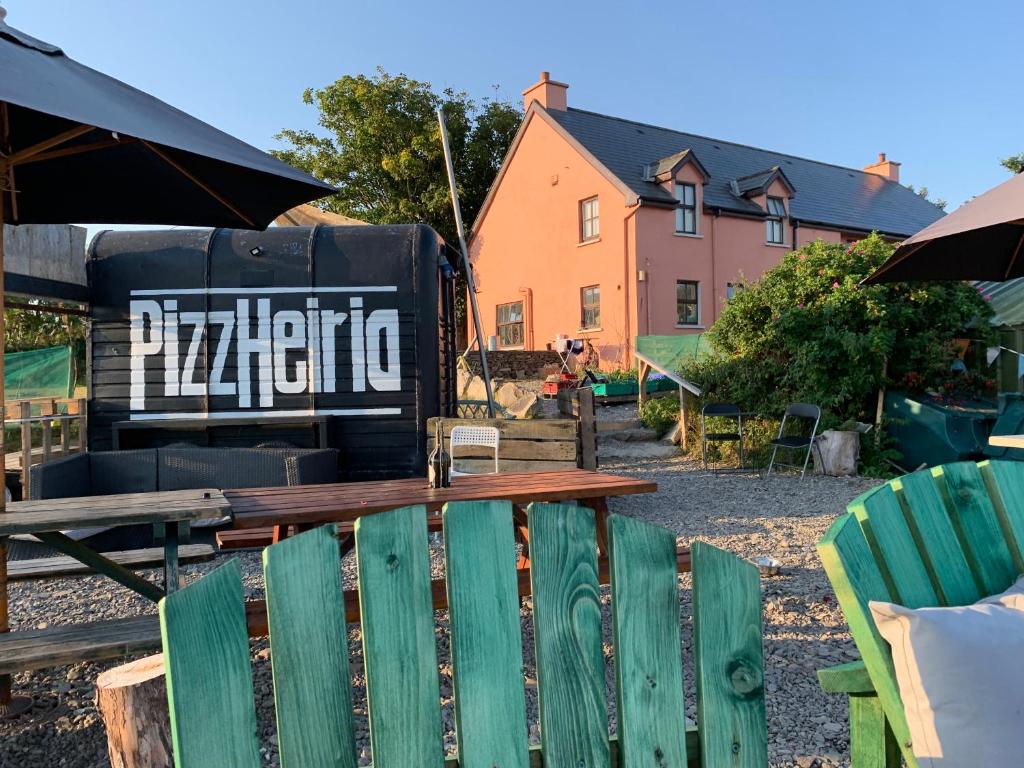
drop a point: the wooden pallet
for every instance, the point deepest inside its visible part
(52, 567)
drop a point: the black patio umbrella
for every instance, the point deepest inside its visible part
(981, 240)
(79, 146)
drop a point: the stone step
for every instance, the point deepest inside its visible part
(633, 435)
(615, 426)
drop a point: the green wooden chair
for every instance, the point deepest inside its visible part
(938, 537)
(210, 689)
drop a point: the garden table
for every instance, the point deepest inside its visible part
(310, 505)
(46, 518)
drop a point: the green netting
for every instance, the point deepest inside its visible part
(670, 352)
(38, 373)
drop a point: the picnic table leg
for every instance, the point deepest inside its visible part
(600, 506)
(124, 576)
(10, 705)
(522, 531)
(171, 559)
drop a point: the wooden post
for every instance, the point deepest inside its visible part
(47, 409)
(26, 447)
(642, 371)
(65, 434)
(587, 420)
(132, 700)
(83, 424)
(682, 419)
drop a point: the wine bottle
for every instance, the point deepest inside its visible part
(434, 467)
(446, 465)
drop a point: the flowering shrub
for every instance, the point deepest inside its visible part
(806, 332)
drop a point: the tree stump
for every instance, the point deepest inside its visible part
(836, 453)
(132, 700)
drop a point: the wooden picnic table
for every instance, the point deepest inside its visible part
(46, 518)
(311, 505)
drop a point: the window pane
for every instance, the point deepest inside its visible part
(689, 194)
(689, 221)
(680, 226)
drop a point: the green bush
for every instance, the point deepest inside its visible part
(660, 413)
(807, 332)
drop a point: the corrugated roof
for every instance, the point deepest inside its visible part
(1006, 299)
(840, 197)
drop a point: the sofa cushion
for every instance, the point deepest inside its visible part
(132, 471)
(182, 468)
(960, 672)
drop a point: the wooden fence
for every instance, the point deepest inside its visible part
(526, 445)
(44, 412)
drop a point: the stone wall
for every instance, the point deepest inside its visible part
(514, 364)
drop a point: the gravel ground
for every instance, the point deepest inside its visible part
(780, 516)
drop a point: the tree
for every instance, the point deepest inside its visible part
(1014, 163)
(808, 332)
(381, 147)
(923, 192)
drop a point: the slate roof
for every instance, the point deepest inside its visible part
(827, 194)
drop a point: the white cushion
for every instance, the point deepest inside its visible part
(961, 677)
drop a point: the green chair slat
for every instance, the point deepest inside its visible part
(400, 656)
(1005, 483)
(486, 644)
(729, 659)
(856, 579)
(567, 635)
(208, 673)
(881, 518)
(937, 539)
(645, 621)
(309, 651)
(975, 520)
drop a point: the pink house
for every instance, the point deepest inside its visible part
(605, 228)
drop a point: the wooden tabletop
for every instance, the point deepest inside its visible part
(121, 509)
(342, 502)
(1006, 441)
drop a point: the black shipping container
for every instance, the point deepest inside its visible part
(352, 324)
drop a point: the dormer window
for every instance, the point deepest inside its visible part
(773, 224)
(686, 210)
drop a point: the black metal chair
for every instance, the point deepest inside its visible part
(801, 411)
(726, 411)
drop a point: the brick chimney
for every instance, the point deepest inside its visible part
(887, 169)
(549, 93)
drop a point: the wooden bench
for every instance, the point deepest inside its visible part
(944, 536)
(206, 648)
(53, 567)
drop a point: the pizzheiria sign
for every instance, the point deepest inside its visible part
(255, 350)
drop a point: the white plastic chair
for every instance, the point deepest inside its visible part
(482, 436)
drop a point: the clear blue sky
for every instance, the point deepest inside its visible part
(935, 85)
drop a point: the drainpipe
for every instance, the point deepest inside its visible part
(715, 213)
(528, 293)
(796, 225)
(626, 280)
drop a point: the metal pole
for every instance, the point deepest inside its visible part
(465, 263)
(10, 706)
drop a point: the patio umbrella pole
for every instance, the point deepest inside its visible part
(10, 706)
(470, 289)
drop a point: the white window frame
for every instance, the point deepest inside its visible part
(521, 323)
(696, 285)
(682, 207)
(584, 325)
(773, 225)
(590, 220)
